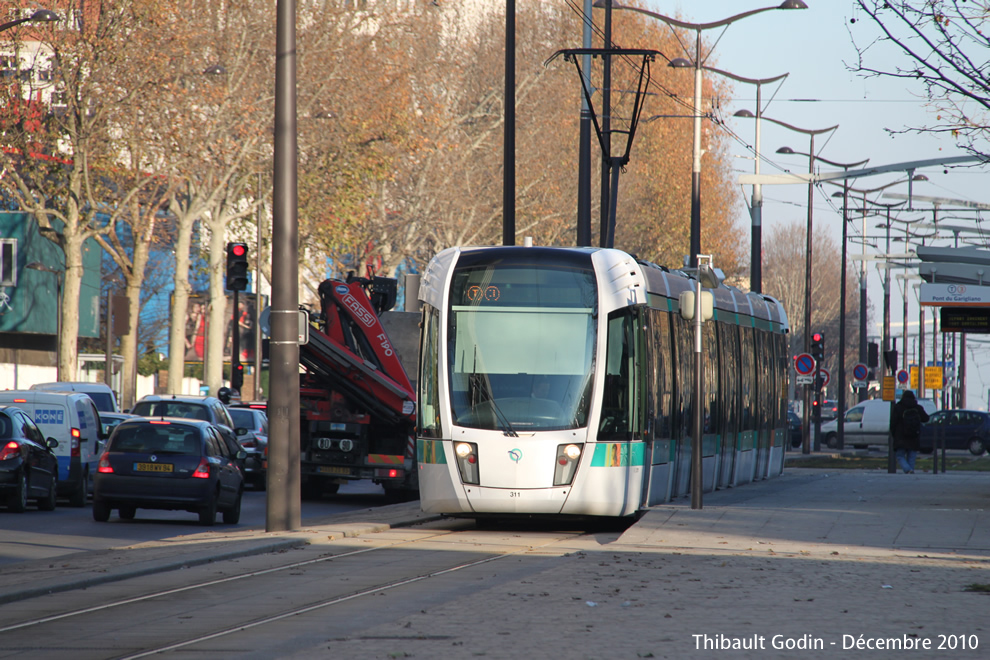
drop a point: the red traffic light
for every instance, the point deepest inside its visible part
(816, 337)
(238, 249)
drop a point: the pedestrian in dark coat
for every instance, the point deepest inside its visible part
(905, 430)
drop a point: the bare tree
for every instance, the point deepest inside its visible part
(216, 145)
(943, 44)
(64, 165)
(785, 280)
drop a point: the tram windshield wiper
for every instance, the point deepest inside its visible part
(479, 383)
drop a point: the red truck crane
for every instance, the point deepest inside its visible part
(358, 406)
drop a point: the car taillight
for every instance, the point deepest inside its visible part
(10, 450)
(203, 470)
(105, 467)
(248, 443)
(74, 451)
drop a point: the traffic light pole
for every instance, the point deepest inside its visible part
(235, 348)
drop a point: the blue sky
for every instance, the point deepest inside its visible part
(814, 46)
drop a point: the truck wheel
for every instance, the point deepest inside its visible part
(311, 490)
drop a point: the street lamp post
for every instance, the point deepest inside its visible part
(842, 289)
(811, 133)
(698, 65)
(756, 207)
(37, 265)
(862, 291)
(40, 16)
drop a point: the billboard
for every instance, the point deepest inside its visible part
(197, 321)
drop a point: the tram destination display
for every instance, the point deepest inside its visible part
(965, 319)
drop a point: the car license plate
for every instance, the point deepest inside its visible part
(152, 467)
(324, 469)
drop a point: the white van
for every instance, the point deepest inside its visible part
(865, 424)
(72, 419)
(100, 393)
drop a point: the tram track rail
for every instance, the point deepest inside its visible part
(408, 558)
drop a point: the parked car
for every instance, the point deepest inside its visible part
(795, 426)
(206, 408)
(830, 410)
(28, 466)
(254, 439)
(168, 463)
(72, 419)
(960, 429)
(865, 424)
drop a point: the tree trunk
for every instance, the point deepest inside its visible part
(217, 324)
(180, 306)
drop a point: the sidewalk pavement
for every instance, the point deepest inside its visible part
(840, 561)
(812, 564)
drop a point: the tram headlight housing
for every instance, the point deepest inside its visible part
(466, 454)
(568, 457)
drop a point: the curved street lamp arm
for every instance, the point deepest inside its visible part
(751, 81)
(40, 16)
(800, 130)
(831, 162)
(684, 24)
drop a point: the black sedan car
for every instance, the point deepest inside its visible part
(794, 426)
(28, 466)
(252, 433)
(960, 429)
(168, 463)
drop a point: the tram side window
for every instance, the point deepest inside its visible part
(749, 376)
(664, 367)
(622, 397)
(429, 392)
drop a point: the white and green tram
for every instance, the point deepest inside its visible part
(558, 382)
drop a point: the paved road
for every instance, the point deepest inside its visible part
(43, 534)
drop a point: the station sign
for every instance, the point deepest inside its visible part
(954, 295)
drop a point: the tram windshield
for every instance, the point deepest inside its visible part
(521, 342)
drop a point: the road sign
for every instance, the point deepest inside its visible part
(825, 375)
(888, 391)
(903, 377)
(805, 380)
(860, 372)
(804, 364)
(933, 378)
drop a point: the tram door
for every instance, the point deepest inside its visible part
(683, 413)
(728, 341)
(660, 383)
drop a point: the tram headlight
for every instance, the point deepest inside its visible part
(566, 464)
(467, 461)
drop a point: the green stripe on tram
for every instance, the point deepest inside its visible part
(430, 451)
(618, 454)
